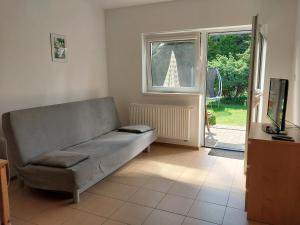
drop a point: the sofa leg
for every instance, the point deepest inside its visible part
(147, 149)
(76, 197)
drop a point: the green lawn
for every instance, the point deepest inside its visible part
(228, 114)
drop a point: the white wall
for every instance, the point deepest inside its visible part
(280, 18)
(124, 28)
(297, 70)
(28, 77)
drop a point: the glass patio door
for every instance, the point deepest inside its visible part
(228, 62)
(255, 78)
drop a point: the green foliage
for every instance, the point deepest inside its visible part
(234, 71)
(212, 119)
(230, 114)
(227, 44)
(241, 100)
(230, 54)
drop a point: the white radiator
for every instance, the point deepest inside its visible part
(171, 122)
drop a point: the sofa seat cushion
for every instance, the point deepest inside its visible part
(60, 159)
(136, 129)
(110, 151)
(106, 154)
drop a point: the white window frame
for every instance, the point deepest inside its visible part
(168, 37)
(261, 62)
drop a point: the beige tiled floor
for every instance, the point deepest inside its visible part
(168, 186)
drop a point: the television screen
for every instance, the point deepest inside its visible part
(277, 102)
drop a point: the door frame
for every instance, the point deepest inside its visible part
(203, 58)
(259, 79)
(259, 32)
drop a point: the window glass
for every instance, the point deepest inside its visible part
(173, 64)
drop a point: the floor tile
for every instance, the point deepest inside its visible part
(129, 177)
(147, 197)
(98, 205)
(159, 184)
(213, 195)
(175, 204)
(236, 200)
(182, 158)
(55, 215)
(184, 190)
(111, 222)
(114, 190)
(235, 217)
(158, 217)
(191, 221)
(239, 183)
(170, 171)
(219, 180)
(192, 176)
(15, 221)
(39, 201)
(207, 211)
(83, 218)
(168, 178)
(202, 161)
(131, 214)
(149, 167)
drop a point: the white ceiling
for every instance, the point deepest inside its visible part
(110, 4)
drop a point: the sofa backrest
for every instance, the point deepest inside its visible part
(32, 132)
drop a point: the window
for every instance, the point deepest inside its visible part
(172, 63)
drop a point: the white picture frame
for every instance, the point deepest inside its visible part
(58, 47)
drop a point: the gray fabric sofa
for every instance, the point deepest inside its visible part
(69, 147)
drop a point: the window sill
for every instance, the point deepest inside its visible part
(171, 93)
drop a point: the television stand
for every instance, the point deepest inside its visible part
(273, 178)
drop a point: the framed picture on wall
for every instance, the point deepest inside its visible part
(58, 48)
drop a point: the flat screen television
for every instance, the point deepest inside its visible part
(278, 94)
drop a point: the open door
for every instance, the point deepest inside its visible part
(251, 82)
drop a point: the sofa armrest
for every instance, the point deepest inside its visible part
(60, 159)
